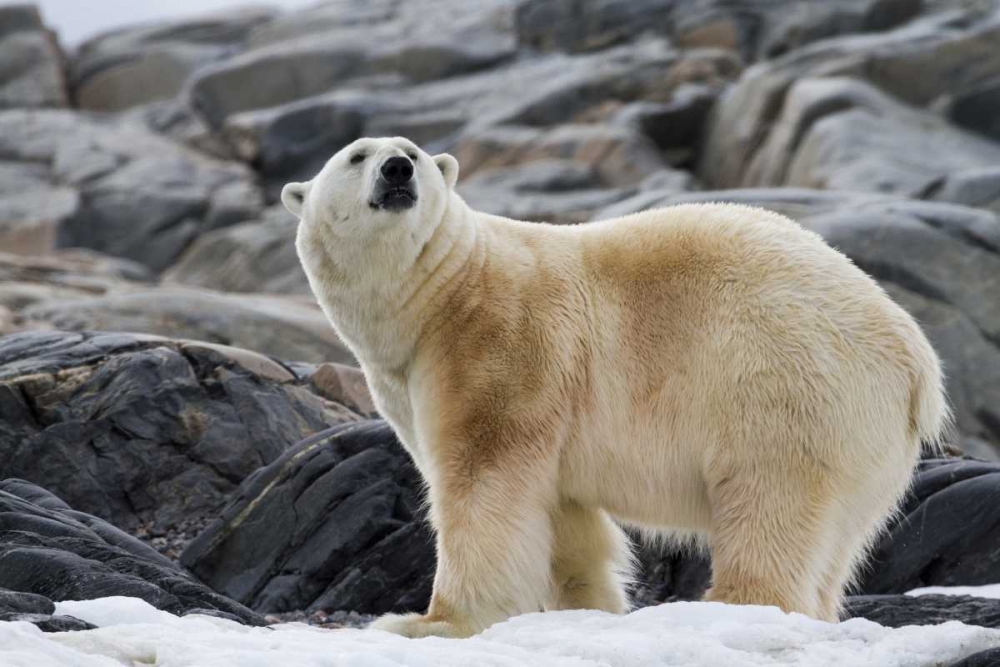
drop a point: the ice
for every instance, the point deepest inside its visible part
(688, 634)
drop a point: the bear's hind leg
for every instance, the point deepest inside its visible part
(860, 517)
(769, 538)
(591, 560)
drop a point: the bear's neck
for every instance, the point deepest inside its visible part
(381, 297)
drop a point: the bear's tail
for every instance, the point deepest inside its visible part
(930, 414)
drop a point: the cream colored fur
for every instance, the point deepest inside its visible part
(708, 369)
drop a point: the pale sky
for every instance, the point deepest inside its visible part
(76, 20)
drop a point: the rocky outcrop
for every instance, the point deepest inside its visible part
(50, 552)
(150, 434)
(333, 524)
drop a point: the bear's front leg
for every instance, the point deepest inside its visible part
(494, 543)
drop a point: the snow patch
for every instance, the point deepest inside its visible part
(680, 634)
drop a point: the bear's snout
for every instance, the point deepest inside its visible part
(397, 170)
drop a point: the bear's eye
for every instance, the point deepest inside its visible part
(412, 156)
(357, 158)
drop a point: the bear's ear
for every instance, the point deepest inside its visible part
(449, 168)
(293, 195)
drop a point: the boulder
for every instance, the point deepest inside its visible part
(333, 524)
(31, 63)
(116, 188)
(50, 553)
(138, 65)
(148, 433)
(924, 64)
(939, 261)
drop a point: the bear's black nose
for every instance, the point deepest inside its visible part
(397, 170)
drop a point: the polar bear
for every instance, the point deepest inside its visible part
(707, 369)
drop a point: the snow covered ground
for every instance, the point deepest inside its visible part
(689, 634)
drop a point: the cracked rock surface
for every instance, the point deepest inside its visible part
(148, 433)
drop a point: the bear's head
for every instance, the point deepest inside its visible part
(373, 186)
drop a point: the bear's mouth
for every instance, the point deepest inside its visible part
(396, 199)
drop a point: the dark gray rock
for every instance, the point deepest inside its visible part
(947, 534)
(334, 524)
(896, 611)
(990, 658)
(49, 552)
(31, 63)
(976, 109)
(150, 434)
(16, 602)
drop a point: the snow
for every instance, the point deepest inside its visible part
(688, 634)
(987, 591)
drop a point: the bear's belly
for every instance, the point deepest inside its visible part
(644, 479)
